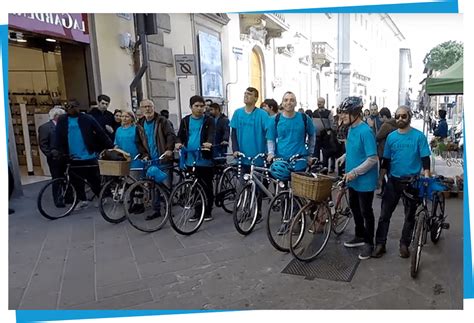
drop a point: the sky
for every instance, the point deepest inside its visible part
(425, 31)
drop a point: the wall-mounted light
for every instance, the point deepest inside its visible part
(19, 38)
(125, 41)
(51, 40)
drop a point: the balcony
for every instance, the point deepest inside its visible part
(323, 54)
(263, 27)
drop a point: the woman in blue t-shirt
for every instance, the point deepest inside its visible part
(128, 139)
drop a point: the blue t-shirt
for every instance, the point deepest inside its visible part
(194, 143)
(290, 136)
(405, 151)
(251, 131)
(77, 147)
(149, 127)
(361, 145)
(125, 139)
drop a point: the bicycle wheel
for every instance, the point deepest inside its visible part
(146, 205)
(437, 217)
(227, 189)
(342, 214)
(111, 200)
(245, 209)
(187, 207)
(57, 199)
(313, 222)
(281, 211)
(417, 243)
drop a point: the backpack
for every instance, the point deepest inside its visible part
(305, 121)
(328, 136)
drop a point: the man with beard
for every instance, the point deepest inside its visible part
(406, 153)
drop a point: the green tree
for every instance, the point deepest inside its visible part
(444, 55)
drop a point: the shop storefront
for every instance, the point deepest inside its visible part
(48, 65)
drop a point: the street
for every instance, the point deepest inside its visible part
(83, 262)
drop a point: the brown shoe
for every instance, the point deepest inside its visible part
(404, 252)
(379, 251)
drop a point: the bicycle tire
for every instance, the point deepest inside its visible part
(145, 193)
(315, 231)
(245, 209)
(417, 244)
(45, 201)
(343, 213)
(189, 195)
(437, 217)
(114, 188)
(279, 219)
(227, 185)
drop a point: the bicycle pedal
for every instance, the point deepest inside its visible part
(445, 226)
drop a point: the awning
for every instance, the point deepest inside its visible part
(450, 81)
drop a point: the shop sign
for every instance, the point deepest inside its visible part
(71, 26)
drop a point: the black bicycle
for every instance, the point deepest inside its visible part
(59, 198)
(422, 191)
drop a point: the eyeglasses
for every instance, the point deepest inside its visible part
(401, 116)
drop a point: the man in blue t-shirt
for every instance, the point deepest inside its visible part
(406, 153)
(81, 138)
(361, 174)
(249, 133)
(196, 132)
(288, 131)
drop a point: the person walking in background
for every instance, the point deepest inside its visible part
(222, 131)
(104, 117)
(441, 130)
(48, 145)
(270, 106)
(325, 135)
(373, 120)
(387, 127)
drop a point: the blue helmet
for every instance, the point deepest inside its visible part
(280, 170)
(155, 173)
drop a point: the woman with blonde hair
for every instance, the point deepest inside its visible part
(129, 138)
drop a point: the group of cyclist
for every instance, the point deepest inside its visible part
(279, 133)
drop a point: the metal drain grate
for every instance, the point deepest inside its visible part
(335, 263)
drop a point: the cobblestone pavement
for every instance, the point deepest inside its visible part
(83, 262)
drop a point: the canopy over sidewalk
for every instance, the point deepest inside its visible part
(450, 81)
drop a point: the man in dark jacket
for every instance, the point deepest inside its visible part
(196, 131)
(81, 138)
(104, 117)
(389, 124)
(221, 123)
(47, 144)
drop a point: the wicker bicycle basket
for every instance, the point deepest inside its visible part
(114, 168)
(316, 189)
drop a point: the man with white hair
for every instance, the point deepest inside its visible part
(47, 143)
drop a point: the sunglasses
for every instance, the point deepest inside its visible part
(401, 116)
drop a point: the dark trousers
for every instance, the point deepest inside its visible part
(205, 176)
(91, 174)
(391, 196)
(56, 168)
(317, 149)
(329, 156)
(361, 207)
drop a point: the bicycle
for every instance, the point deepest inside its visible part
(112, 195)
(281, 210)
(421, 190)
(58, 198)
(187, 200)
(226, 181)
(146, 201)
(246, 205)
(313, 224)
